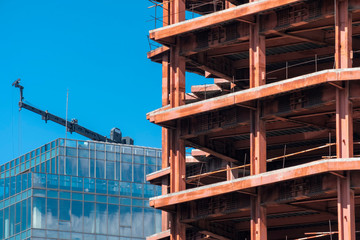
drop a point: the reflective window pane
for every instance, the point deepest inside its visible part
(101, 218)
(76, 216)
(89, 217)
(52, 214)
(38, 212)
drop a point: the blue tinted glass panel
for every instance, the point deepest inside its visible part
(77, 184)
(52, 214)
(100, 155)
(83, 145)
(52, 181)
(77, 196)
(65, 182)
(151, 160)
(126, 158)
(28, 215)
(84, 167)
(89, 217)
(23, 215)
(150, 169)
(113, 200)
(52, 194)
(89, 185)
(2, 188)
(38, 213)
(100, 169)
(113, 187)
(39, 193)
(137, 202)
(110, 156)
(139, 159)
(84, 153)
(101, 186)
(125, 216)
(125, 201)
(53, 165)
(125, 189)
(137, 222)
(139, 174)
(64, 210)
(18, 183)
(113, 219)
(101, 216)
(71, 166)
(1, 225)
(71, 152)
(65, 195)
(101, 198)
(6, 223)
(117, 171)
(39, 180)
(77, 216)
(100, 146)
(110, 170)
(126, 172)
(61, 165)
(137, 190)
(18, 213)
(149, 222)
(148, 191)
(12, 219)
(12, 186)
(89, 197)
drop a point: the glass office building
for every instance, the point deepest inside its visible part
(86, 190)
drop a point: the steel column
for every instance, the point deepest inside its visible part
(177, 98)
(165, 132)
(165, 138)
(257, 78)
(258, 133)
(346, 209)
(258, 226)
(344, 120)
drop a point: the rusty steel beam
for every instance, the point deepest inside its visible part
(287, 139)
(158, 174)
(267, 90)
(278, 198)
(231, 33)
(218, 18)
(299, 171)
(208, 149)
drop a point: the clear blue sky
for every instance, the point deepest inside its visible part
(97, 50)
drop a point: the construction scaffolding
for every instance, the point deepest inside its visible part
(276, 136)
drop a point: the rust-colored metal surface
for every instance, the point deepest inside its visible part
(275, 138)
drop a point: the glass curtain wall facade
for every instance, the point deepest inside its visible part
(71, 189)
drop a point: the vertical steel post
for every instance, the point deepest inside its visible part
(258, 133)
(344, 120)
(177, 98)
(165, 131)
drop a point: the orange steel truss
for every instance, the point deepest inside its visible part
(275, 140)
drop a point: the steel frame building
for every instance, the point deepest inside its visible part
(277, 134)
